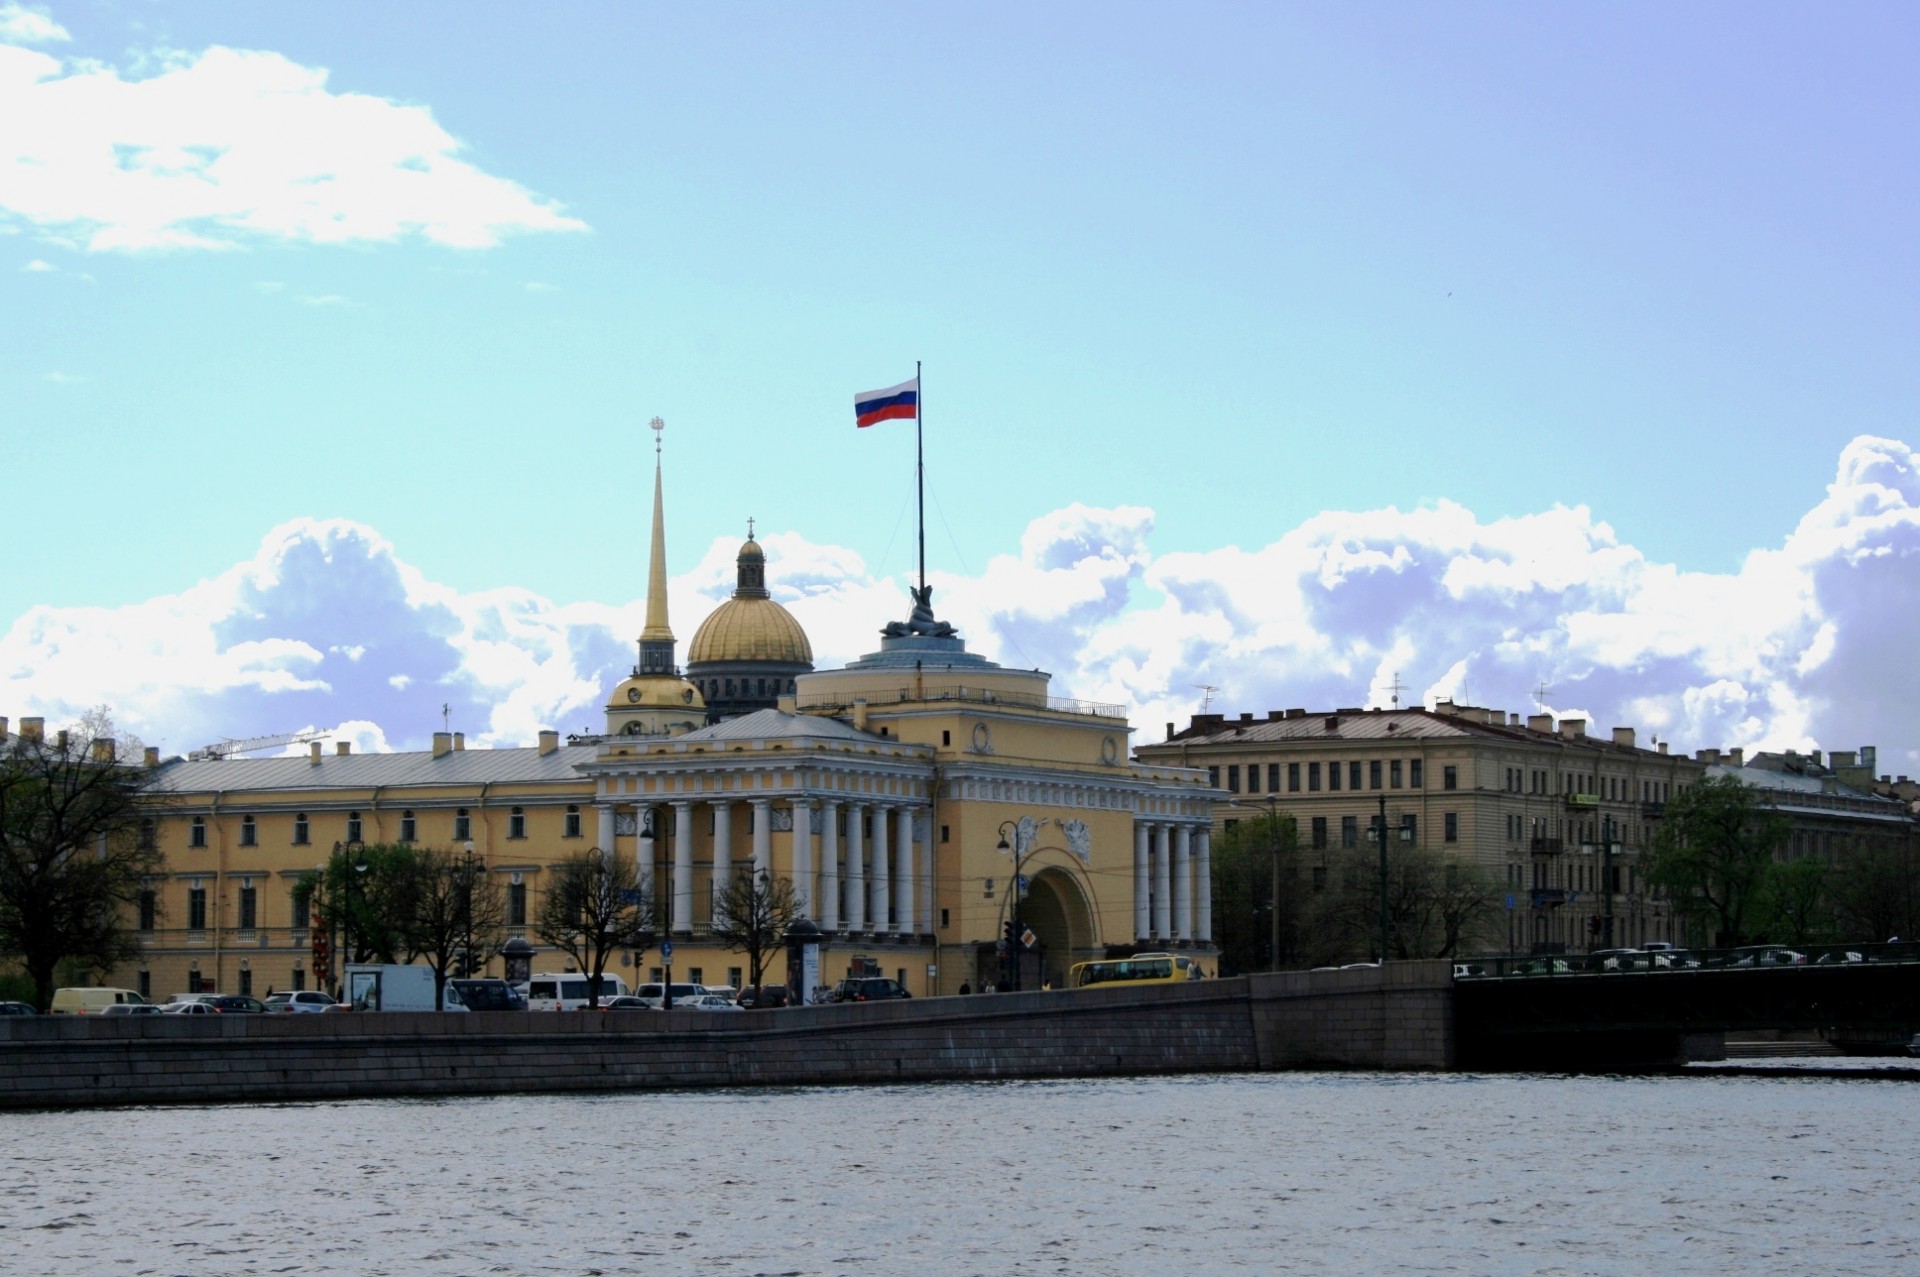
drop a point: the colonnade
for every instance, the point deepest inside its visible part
(877, 878)
(1172, 882)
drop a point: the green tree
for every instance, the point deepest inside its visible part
(75, 852)
(1256, 872)
(1875, 890)
(1437, 907)
(369, 895)
(1713, 854)
(596, 905)
(459, 913)
(752, 914)
(1795, 907)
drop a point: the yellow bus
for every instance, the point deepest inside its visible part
(1141, 968)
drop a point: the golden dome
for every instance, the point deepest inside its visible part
(656, 691)
(750, 629)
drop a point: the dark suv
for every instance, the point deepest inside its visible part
(763, 997)
(869, 989)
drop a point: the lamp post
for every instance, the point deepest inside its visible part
(1380, 836)
(1273, 859)
(1608, 850)
(1014, 929)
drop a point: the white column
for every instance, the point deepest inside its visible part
(803, 855)
(683, 868)
(1203, 872)
(830, 866)
(880, 889)
(903, 884)
(1162, 885)
(722, 846)
(1183, 882)
(606, 827)
(923, 860)
(762, 836)
(856, 872)
(1142, 880)
(643, 850)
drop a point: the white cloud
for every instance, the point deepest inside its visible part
(36, 266)
(29, 24)
(322, 299)
(64, 378)
(1804, 645)
(231, 147)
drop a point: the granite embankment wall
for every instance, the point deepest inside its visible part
(1399, 1017)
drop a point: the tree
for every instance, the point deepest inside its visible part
(369, 893)
(595, 906)
(1714, 854)
(459, 913)
(1875, 889)
(752, 914)
(1436, 907)
(1248, 860)
(75, 853)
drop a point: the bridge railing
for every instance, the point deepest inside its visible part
(1746, 957)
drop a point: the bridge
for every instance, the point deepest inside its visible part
(1629, 1009)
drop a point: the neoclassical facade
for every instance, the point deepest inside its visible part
(907, 796)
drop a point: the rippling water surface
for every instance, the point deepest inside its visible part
(1308, 1173)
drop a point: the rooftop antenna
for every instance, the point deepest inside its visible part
(1541, 693)
(1206, 699)
(446, 717)
(1396, 687)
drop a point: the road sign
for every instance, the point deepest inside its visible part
(1028, 939)
(632, 896)
(1509, 900)
(666, 951)
(1000, 946)
(1020, 886)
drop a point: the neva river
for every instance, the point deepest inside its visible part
(1294, 1172)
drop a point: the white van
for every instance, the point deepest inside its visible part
(655, 994)
(567, 991)
(91, 1001)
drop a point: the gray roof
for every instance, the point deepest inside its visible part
(777, 724)
(365, 771)
(1372, 724)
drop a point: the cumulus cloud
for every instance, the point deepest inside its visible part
(1800, 647)
(230, 147)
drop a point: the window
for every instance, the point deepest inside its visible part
(196, 909)
(1319, 833)
(149, 834)
(1349, 831)
(197, 834)
(1353, 774)
(353, 826)
(1452, 822)
(946, 834)
(1293, 778)
(517, 823)
(1333, 775)
(1373, 774)
(517, 904)
(300, 838)
(194, 984)
(409, 828)
(943, 919)
(302, 911)
(946, 737)
(1416, 772)
(1233, 778)
(1253, 778)
(1213, 777)
(149, 908)
(246, 982)
(696, 975)
(1393, 773)
(462, 826)
(1273, 778)
(572, 829)
(1313, 777)
(299, 979)
(249, 832)
(249, 906)
(1449, 778)
(1410, 829)
(146, 985)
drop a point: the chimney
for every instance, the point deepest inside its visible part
(1513, 720)
(1273, 715)
(442, 744)
(3, 727)
(60, 740)
(459, 741)
(549, 741)
(1623, 737)
(1663, 747)
(313, 752)
(342, 748)
(152, 758)
(1246, 717)
(33, 729)
(1297, 713)
(1169, 731)
(860, 713)
(1573, 728)
(102, 750)
(1737, 756)
(1333, 722)
(1708, 756)
(1540, 723)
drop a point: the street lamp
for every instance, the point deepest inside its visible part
(1014, 929)
(1379, 835)
(1273, 849)
(1609, 848)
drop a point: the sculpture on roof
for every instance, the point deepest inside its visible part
(921, 622)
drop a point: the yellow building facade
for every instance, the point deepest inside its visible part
(903, 795)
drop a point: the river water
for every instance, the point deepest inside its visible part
(1290, 1172)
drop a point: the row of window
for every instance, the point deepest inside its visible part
(356, 827)
(1612, 788)
(1373, 774)
(711, 688)
(247, 908)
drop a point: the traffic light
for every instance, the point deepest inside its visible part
(1593, 924)
(1011, 934)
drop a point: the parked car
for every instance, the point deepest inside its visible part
(1768, 955)
(708, 1002)
(299, 1001)
(489, 995)
(131, 1008)
(193, 1006)
(762, 997)
(17, 1008)
(1543, 966)
(1840, 955)
(869, 989)
(1617, 960)
(628, 1002)
(655, 994)
(90, 1000)
(236, 1004)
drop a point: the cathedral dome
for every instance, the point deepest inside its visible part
(749, 629)
(748, 652)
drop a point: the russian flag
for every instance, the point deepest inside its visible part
(895, 403)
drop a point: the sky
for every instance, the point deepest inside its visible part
(1547, 356)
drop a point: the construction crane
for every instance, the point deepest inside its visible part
(252, 744)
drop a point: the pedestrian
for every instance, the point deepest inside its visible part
(988, 987)
(965, 988)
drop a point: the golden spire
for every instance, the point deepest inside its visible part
(657, 659)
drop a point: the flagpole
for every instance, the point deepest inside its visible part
(920, 466)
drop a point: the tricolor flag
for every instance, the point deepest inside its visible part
(895, 403)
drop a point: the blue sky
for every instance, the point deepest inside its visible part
(1237, 266)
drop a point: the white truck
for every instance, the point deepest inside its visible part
(392, 986)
